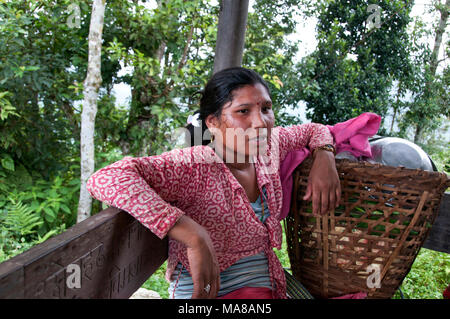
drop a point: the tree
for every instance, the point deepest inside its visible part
(269, 52)
(429, 101)
(92, 84)
(230, 34)
(353, 67)
(40, 57)
(169, 52)
(168, 66)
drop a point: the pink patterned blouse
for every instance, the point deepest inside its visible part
(158, 190)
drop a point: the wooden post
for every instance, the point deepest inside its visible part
(230, 34)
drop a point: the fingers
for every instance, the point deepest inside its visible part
(201, 290)
(332, 201)
(338, 195)
(316, 204)
(215, 287)
(198, 290)
(323, 201)
(308, 192)
(214, 283)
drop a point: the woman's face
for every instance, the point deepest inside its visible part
(244, 126)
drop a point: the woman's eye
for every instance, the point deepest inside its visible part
(243, 111)
(266, 109)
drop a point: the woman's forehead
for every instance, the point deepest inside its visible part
(249, 95)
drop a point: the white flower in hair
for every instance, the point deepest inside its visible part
(194, 120)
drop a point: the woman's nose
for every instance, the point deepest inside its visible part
(258, 120)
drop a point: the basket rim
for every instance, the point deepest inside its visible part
(373, 170)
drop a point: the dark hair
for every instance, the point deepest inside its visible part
(219, 91)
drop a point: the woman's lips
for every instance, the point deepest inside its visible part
(258, 139)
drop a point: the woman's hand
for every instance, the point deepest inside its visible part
(324, 187)
(204, 269)
(201, 255)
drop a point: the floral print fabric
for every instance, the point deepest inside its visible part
(158, 190)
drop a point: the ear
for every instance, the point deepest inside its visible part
(212, 122)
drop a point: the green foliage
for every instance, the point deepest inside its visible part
(38, 70)
(167, 68)
(34, 209)
(6, 109)
(282, 253)
(269, 52)
(428, 277)
(20, 220)
(352, 69)
(441, 157)
(19, 228)
(157, 282)
(423, 95)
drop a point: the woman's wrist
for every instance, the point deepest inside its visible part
(188, 232)
(325, 149)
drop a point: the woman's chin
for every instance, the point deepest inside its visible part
(257, 147)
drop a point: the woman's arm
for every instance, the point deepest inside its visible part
(201, 254)
(324, 189)
(143, 187)
(310, 135)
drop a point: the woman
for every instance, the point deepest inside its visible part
(220, 205)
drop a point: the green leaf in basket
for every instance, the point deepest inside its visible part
(338, 213)
(379, 228)
(374, 217)
(375, 233)
(355, 214)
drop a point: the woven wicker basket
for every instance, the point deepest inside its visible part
(369, 243)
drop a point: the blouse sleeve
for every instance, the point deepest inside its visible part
(311, 135)
(144, 186)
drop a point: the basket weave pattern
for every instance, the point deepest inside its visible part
(370, 241)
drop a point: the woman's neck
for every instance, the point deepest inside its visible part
(239, 166)
(234, 160)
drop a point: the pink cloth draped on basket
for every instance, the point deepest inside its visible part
(351, 136)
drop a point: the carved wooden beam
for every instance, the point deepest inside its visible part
(113, 252)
